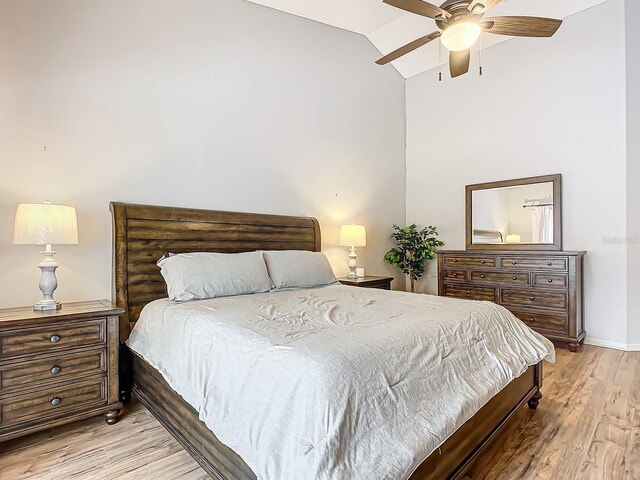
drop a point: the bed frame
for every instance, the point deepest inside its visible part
(142, 234)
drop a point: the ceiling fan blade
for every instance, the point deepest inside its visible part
(459, 63)
(482, 6)
(419, 7)
(409, 47)
(521, 26)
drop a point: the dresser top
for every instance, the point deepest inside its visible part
(69, 311)
(527, 253)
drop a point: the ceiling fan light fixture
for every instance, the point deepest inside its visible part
(461, 36)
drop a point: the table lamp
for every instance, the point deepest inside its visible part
(353, 236)
(46, 224)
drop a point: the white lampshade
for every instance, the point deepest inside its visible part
(45, 224)
(460, 36)
(513, 238)
(353, 236)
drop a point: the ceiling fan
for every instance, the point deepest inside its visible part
(461, 22)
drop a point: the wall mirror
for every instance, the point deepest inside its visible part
(522, 214)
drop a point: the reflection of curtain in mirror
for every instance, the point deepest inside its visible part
(543, 225)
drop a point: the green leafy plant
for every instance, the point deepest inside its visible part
(415, 247)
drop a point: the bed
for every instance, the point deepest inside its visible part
(142, 234)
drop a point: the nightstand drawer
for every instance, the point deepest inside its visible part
(54, 369)
(52, 337)
(370, 281)
(50, 402)
(381, 285)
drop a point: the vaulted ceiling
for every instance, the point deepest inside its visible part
(389, 28)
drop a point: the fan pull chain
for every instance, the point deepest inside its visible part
(480, 54)
(439, 60)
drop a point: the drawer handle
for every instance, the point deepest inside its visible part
(482, 276)
(514, 263)
(532, 298)
(550, 280)
(455, 260)
(514, 278)
(549, 264)
(54, 339)
(531, 320)
(482, 262)
(455, 274)
(468, 292)
(55, 402)
(56, 370)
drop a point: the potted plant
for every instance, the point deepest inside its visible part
(414, 248)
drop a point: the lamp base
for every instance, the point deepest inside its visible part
(352, 263)
(48, 282)
(42, 306)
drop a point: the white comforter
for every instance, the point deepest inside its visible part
(335, 382)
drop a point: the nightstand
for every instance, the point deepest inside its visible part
(383, 283)
(58, 366)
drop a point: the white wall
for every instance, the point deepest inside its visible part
(211, 104)
(543, 106)
(633, 171)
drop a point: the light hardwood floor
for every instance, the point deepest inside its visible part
(587, 427)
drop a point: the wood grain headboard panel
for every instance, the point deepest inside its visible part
(144, 233)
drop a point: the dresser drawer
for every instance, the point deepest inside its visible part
(455, 274)
(471, 293)
(532, 297)
(547, 323)
(54, 369)
(469, 261)
(52, 337)
(535, 263)
(501, 278)
(50, 402)
(549, 280)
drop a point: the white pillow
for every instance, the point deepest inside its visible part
(200, 275)
(298, 269)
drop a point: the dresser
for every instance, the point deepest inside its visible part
(58, 366)
(543, 289)
(370, 281)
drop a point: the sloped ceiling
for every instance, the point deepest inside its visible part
(389, 28)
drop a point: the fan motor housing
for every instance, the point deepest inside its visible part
(452, 5)
(458, 9)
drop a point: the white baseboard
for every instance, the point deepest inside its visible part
(625, 347)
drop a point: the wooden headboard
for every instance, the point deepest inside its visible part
(143, 233)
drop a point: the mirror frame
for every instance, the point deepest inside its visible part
(557, 213)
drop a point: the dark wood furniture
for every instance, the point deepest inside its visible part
(369, 281)
(58, 366)
(543, 289)
(556, 180)
(144, 233)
